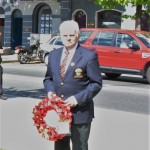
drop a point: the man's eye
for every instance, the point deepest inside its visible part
(71, 35)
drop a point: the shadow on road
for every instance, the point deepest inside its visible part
(36, 93)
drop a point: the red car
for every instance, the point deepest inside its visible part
(119, 51)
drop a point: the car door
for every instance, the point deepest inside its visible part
(123, 55)
(102, 43)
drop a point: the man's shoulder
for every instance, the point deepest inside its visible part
(54, 51)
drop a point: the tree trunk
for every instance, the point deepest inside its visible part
(138, 17)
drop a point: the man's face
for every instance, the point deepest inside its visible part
(69, 38)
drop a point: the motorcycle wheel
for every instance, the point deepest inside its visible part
(22, 57)
(40, 55)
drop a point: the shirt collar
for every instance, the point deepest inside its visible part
(73, 49)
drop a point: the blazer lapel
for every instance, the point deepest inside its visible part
(76, 58)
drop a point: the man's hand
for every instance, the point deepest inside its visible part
(1, 51)
(71, 101)
(51, 94)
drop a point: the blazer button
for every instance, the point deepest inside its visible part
(62, 96)
(62, 83)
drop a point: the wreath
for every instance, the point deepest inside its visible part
(40, 111)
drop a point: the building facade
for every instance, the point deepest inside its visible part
(20, 18)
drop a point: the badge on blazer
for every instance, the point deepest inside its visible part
(78, 73)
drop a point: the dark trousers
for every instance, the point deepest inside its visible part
(1, 80)
(79, 136)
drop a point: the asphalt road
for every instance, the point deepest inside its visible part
(127, 93)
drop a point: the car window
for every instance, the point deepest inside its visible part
(145, 38)
(84, 36)
(124, 40)
(51, 42)
(104, 38)
(58, 42)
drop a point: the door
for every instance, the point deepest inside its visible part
(124, 56)
(103, 45)
(16, 34)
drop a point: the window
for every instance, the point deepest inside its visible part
(84, 35)
(145, 38)
(45, 20)
(104, 38)
(80, 18)
(51, 42)
(124, 40)
(58, 42)
(109, 19)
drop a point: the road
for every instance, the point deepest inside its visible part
(127, 93)
(121, 113)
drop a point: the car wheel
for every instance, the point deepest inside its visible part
(148, 74)
(46, 59)
(112, 75)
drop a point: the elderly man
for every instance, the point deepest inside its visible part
(73, 73)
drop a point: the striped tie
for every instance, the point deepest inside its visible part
(63, 64)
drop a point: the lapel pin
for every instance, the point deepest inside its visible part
(72, 64)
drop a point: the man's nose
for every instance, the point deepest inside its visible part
(68, 36)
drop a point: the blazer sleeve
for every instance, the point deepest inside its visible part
(48, 81)
(95, 81)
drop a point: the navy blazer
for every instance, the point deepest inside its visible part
(82, 80)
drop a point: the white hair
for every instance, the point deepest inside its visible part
(69, 24)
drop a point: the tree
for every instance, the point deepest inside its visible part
(139, 4)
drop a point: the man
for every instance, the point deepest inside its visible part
(2, 97)
(73, 73)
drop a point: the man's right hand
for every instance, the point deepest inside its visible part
(1, 51)
(51, 94)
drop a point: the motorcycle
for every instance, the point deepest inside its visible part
(31, 53)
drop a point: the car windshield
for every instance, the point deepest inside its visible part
(145, 38)
(84, 35)
(58, 41)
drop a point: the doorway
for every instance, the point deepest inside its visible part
(80, 18)
(2, 20)
(42, 19)
(109, 19)
(16, 28)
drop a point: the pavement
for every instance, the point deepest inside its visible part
(111, 129)
(9, 58)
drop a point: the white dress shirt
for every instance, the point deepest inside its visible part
(70, 56)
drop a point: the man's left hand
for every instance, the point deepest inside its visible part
(71, 101)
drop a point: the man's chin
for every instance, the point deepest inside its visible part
(69, 46)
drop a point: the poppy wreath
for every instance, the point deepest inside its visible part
(40, 112)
